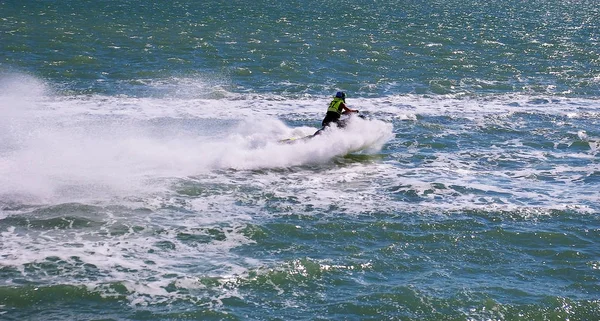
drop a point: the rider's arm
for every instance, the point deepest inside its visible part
(346, 109)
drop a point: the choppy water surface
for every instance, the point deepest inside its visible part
(141, 176)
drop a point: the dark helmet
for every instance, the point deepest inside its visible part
(340, 94)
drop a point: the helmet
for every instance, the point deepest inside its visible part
(340, 94)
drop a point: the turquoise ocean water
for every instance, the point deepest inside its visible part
(141, 176)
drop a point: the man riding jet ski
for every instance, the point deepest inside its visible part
(337, 108)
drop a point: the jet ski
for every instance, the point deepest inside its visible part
(341, 123)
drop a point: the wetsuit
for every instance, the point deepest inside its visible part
(334, 112)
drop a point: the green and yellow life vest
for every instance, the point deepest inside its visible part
(336, 105)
